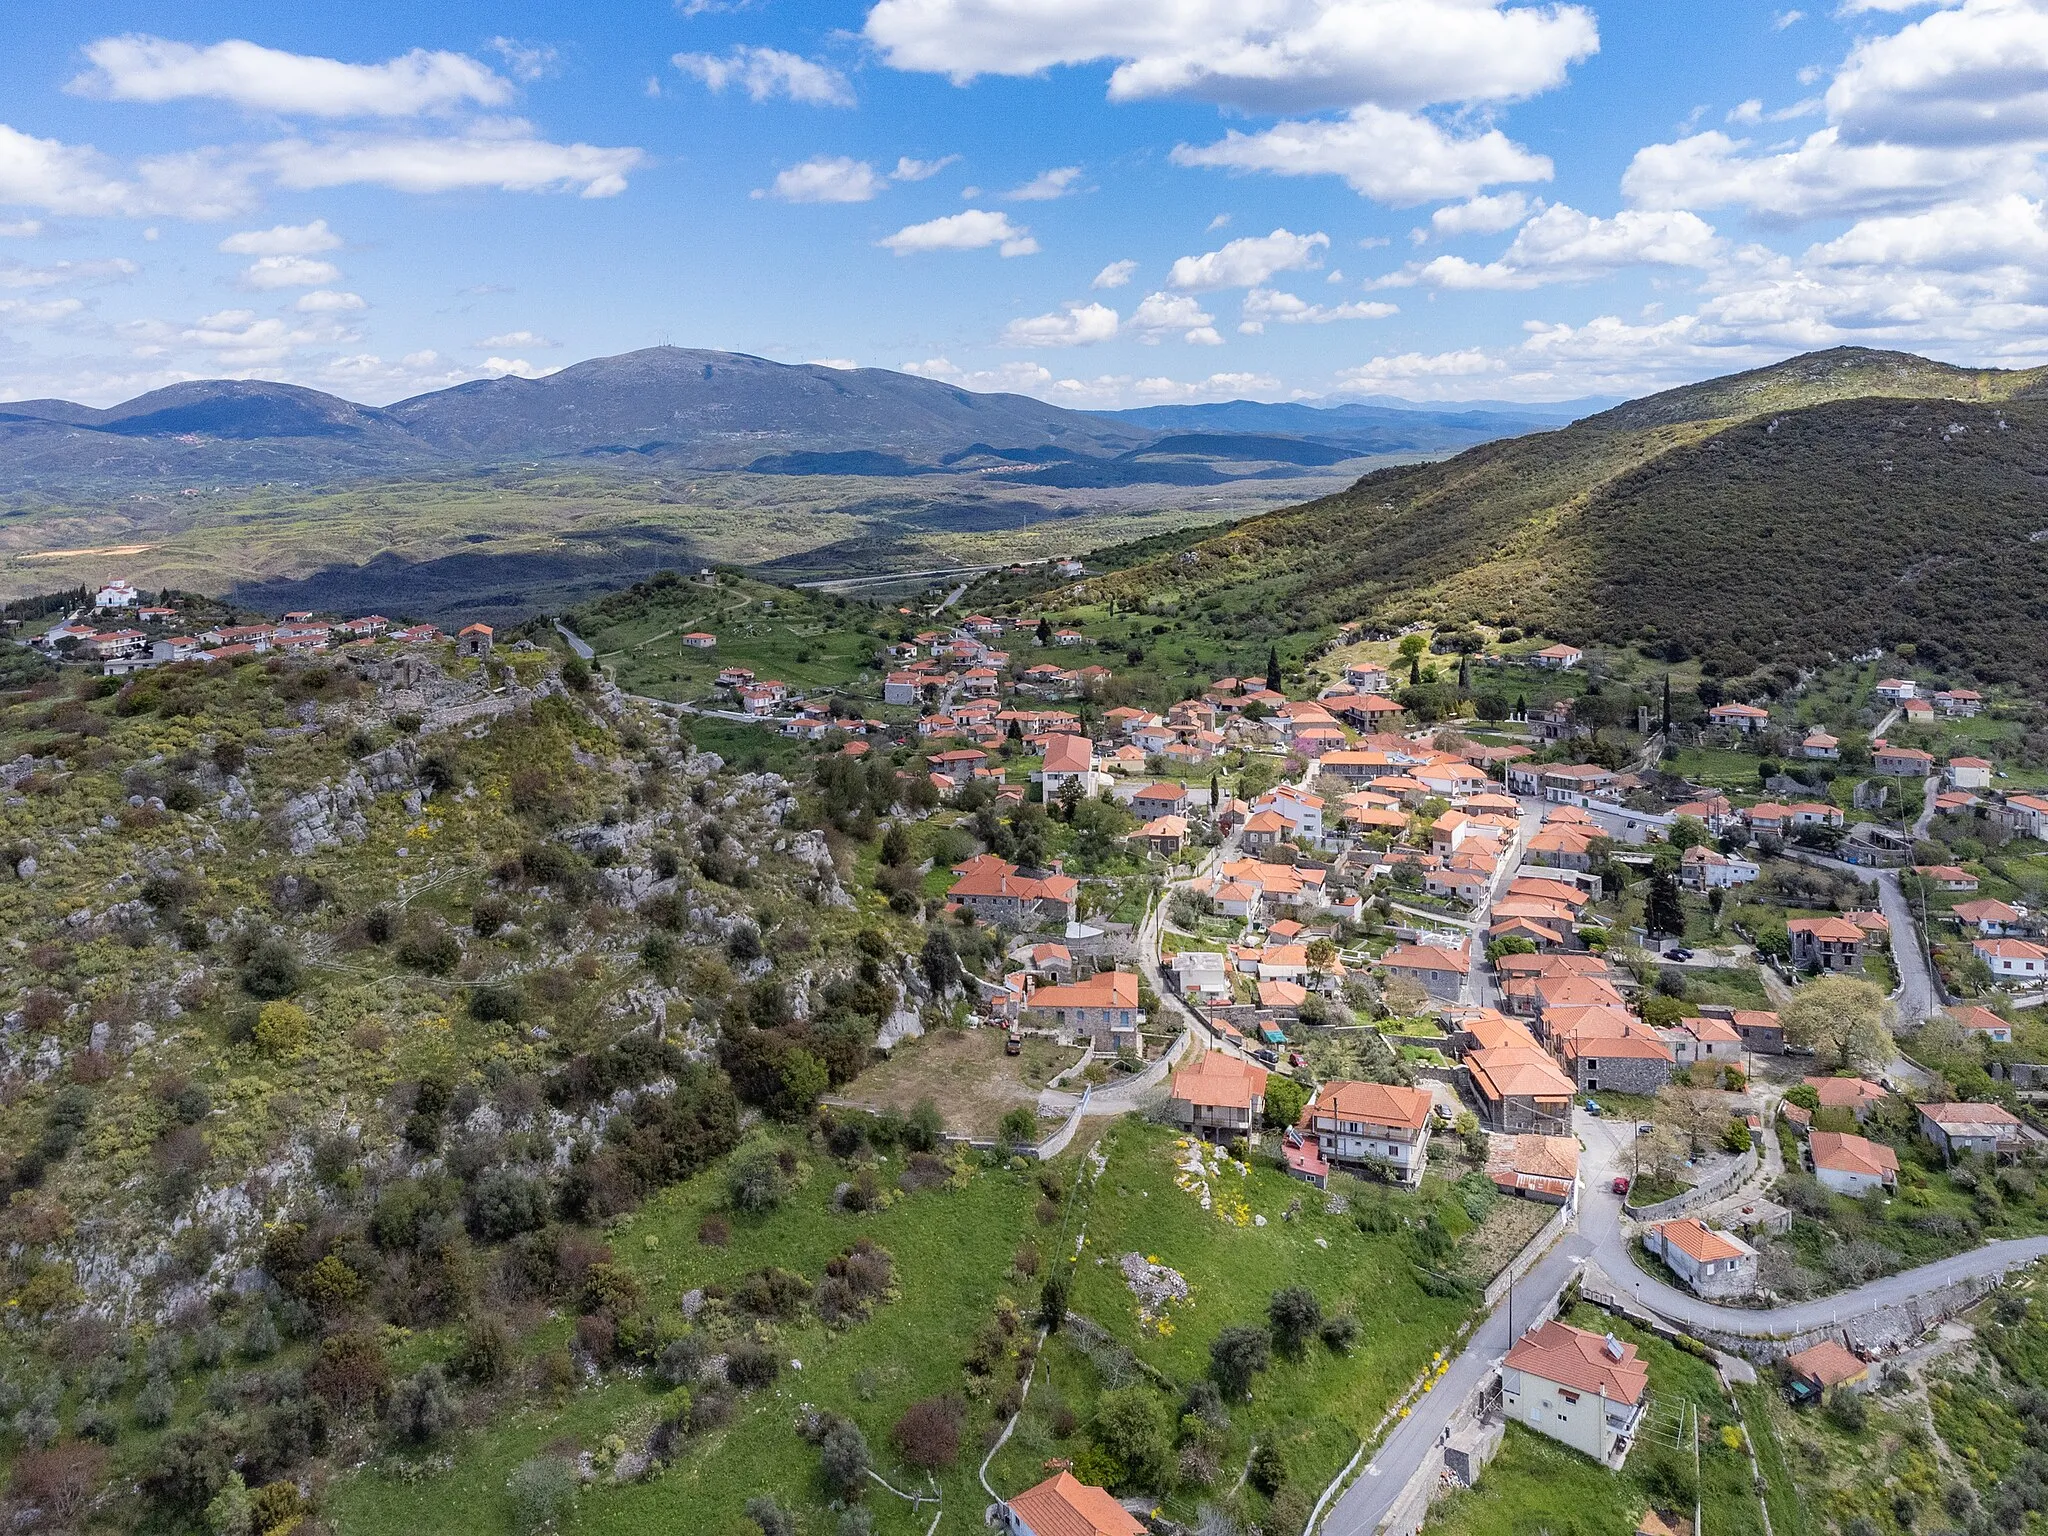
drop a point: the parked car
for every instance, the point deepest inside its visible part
(1592, 1106)
(1645, 1127)
(1270, 1058)
(1677, 952)
(1620, 1185)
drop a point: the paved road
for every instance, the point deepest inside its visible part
(1602, 1231)
(1359, 1510)
(1918, 996)
(1928, 791)
(576, 641)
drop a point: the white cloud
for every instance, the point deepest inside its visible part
(1561, 244)
(526, 61)
(841, 363)
(137, 67)
(908, 169)
(1786, 19)
(974, 230)
(20, 229)
(1046, 186)
(234, 337)
(39, 311)
(1974, 75)
(1074, 325)
(282, 240)
(1820, 177)
(1393, 157)
(1160, 314)
(270, 272)
(1265, 54)
(511, 341)
(1221, 221)
(15, 274)
(503, 154)
(1954, 237)
(1243, 263)
(519, 367)
(765, 73)
(827, 179)
(1419, 372)
(1747, 113)
(1105, 391)
(1264, 304)
(329, 301)
(1115, 275)
(1483, 215)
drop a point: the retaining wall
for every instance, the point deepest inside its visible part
(1700, 1194)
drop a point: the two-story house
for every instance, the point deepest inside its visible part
(1219, 1097)
(1578, 1387)
(1372, 1125)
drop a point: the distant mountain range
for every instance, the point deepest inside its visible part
(1759, 522)
(678, 407)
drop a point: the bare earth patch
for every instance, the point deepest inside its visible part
(965, 1073)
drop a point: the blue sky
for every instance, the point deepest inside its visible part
(1099, 202)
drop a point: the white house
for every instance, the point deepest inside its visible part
(1585, 1390)
(1896, 690)
(1711, 1263)
(1980, 1128)
(1967, 773)
(1558, 658)
(1301, 810)
(1069, 759)
(115, 594)
(1201, 976)
(1063, 1505)
(1376, 1124)
(1707, 869)
(1739, 717)
(2012, 959)
(1852, 1165)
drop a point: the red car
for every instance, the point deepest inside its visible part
(1620, 1185)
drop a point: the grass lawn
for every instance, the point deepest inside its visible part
(1314, 1410)
(1716, 767)
(1737, 986)
(952, 1247)
(1535, 1485)
(965, 1073)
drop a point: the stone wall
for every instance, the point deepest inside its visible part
(1723, 1180)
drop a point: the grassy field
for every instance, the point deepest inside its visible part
(1536, 1485)
(952, 1249)
(1314, 1410)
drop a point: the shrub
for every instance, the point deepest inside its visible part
(928, 1434)
(1237, 1354)
(1848, 1412)
(503, 1204)
(60, 1481)
(271, 971)
(485, 1351)
(422, 1409)
(1267, 1471)
(754, 1180)
(679, 1363)
(843, 1458)
(1295, 1315)
(773, 1519)
(748, 1364)
(281, 1030)
(1131, 1429)
(155, 1402)
(497, 1005)
(351, 1373)
(428, 945)
(1340, 1333)
(542, 1490)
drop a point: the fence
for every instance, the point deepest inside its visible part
(1532, 1250)
(1060, 1139)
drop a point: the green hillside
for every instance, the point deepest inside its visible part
(1829, 504)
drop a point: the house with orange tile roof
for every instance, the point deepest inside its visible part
(2012, 959)
(1103, 1009)
(1826, 943)
(1162, 834)
(1709, 1262)
(1218, 1096)
(1824, 1367)
(1000, 892)
(1851, 1165)
(1981, 1022)
(1578, 1387)
(1986, 1129)
(1441, 972)
(1520, 1088)
(1371, 1125)
(1068, 760)
(1989, 917)
(1902, 762)
(1063, 1505)
(1541, 1168)
(1858, 1095)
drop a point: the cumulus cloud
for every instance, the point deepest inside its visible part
(1243, 263)
(329, 301)
(1073, 325)
(1561, 244)
(234, 337)
(39, 311)
(1483, 215)
(1264, 304)
(271, 272)
(1115, 275)
(1425, 373)
(827, 179)
(974, 230)
(526, 61)
(137, 67)
(1159, 315)
(1046, 186)
(766, 73)
(1265, 56)
(1974, 75)
(1393, 157)
(1105, 391)
(282, 240)
(908, 169)
(77, 181)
